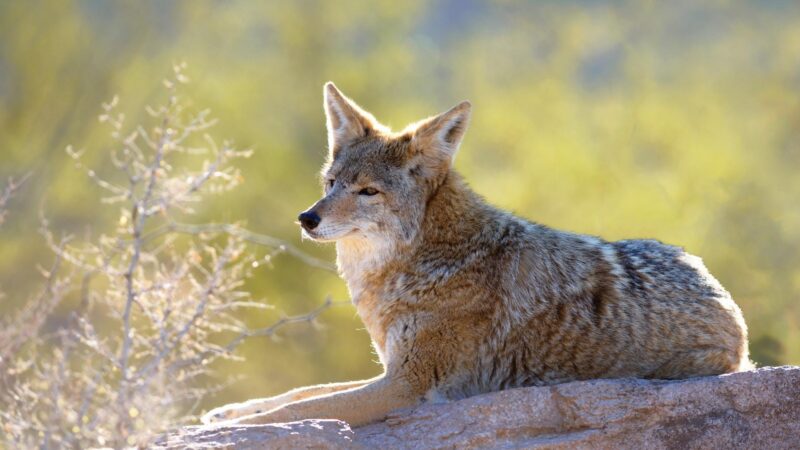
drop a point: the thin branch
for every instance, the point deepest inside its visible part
(35, 314)
(248, 236)
(267, 331)
(12, 186)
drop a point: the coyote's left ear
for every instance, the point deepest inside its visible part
(438, 138)
(346, 120)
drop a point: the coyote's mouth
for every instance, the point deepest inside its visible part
(314, 235)
(308, 234)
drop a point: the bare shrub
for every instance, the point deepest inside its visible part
(153, 301)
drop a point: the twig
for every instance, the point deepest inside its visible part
(249, 236)
(12, 186)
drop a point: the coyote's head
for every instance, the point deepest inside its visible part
(376, 182)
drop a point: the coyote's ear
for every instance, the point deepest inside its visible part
(438, 138)
(345, 119)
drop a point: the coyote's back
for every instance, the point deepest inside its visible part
(571, 307)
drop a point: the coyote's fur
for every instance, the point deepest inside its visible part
(461, 298)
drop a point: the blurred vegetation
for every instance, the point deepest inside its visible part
(673, 120)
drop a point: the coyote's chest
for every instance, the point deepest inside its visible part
(373, 284)
(387, 310)
(380, 318)
(372, 314)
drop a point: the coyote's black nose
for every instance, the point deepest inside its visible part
(309, 220)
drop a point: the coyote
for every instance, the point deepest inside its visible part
(461, 298)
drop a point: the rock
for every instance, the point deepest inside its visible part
(316, 434)
(756, 409)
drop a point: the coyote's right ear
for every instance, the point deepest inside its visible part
(346, 120)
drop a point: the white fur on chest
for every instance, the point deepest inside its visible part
(356, 257)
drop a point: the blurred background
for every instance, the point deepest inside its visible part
(675, 120)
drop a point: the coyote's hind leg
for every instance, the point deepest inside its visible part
(700, 362)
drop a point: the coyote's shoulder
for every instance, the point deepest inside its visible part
(461, 298)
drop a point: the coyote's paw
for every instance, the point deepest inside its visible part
(222, 413)
(236, 410)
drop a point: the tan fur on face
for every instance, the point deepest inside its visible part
(461, 298)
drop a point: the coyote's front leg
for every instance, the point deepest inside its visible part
(358, 406)
(261, 405)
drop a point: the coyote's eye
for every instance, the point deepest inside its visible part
(331, 182)
(368, 191)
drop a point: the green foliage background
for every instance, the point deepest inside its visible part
(674, 120)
